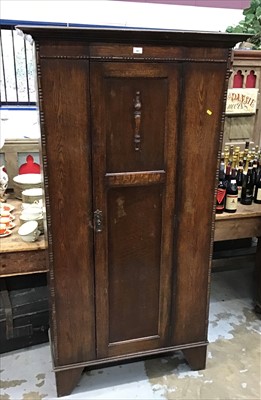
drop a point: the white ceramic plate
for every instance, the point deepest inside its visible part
(33, 192)
(28, 179)
(7, 233)
(24, 217)
(11, 218)
(12, 225)
(6, 207)
(35, 204)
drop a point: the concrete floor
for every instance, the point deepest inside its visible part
(233, 366)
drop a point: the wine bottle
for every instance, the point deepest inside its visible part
(245, 157)
(254, 172)
(227, 175)
(257, 194)
(237, 150)
(248, 184)
(226, 159)
(221, 191)
(222, 163)
(231, 151)
(239, 179)
(231, 194)
(246, 152)
(226, 149)
(234, 162)
(259, 162)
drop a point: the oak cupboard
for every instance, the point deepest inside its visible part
(131, 125)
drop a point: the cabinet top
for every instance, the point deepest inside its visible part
(128, 35)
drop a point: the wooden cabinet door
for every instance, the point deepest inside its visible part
(134, 111)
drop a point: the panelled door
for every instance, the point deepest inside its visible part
(134, 113)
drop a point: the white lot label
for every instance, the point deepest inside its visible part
(137, 50)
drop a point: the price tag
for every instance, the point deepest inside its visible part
(137, 50)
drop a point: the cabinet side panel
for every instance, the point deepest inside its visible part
(64, 104)
(199, 145)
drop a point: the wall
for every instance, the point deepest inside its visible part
(109, 13)
(122, 13)
(236, 4)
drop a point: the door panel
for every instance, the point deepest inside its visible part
(134, 242)
(120, 128)
(134, 128)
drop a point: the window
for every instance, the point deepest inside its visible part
(17, 69)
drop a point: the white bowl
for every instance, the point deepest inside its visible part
(32, 195)
(33, 192)
(28, 179)
(29, 231)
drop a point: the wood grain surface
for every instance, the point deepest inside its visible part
(139, 283)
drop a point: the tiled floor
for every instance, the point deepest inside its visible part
(233, 367)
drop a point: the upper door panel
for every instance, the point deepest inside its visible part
(134, 119)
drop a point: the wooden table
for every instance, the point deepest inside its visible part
(19, 257)
(245, 223)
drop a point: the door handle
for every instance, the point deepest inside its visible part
(137, 119)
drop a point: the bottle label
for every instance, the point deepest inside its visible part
(239, 188)
(220, 196)
(249, 193)
(231, 202)
(258, 195)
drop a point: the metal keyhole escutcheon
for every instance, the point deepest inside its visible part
(98, 221)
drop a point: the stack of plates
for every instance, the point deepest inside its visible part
(32, 207)
(26, 181)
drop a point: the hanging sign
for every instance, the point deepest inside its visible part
(241, 101)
